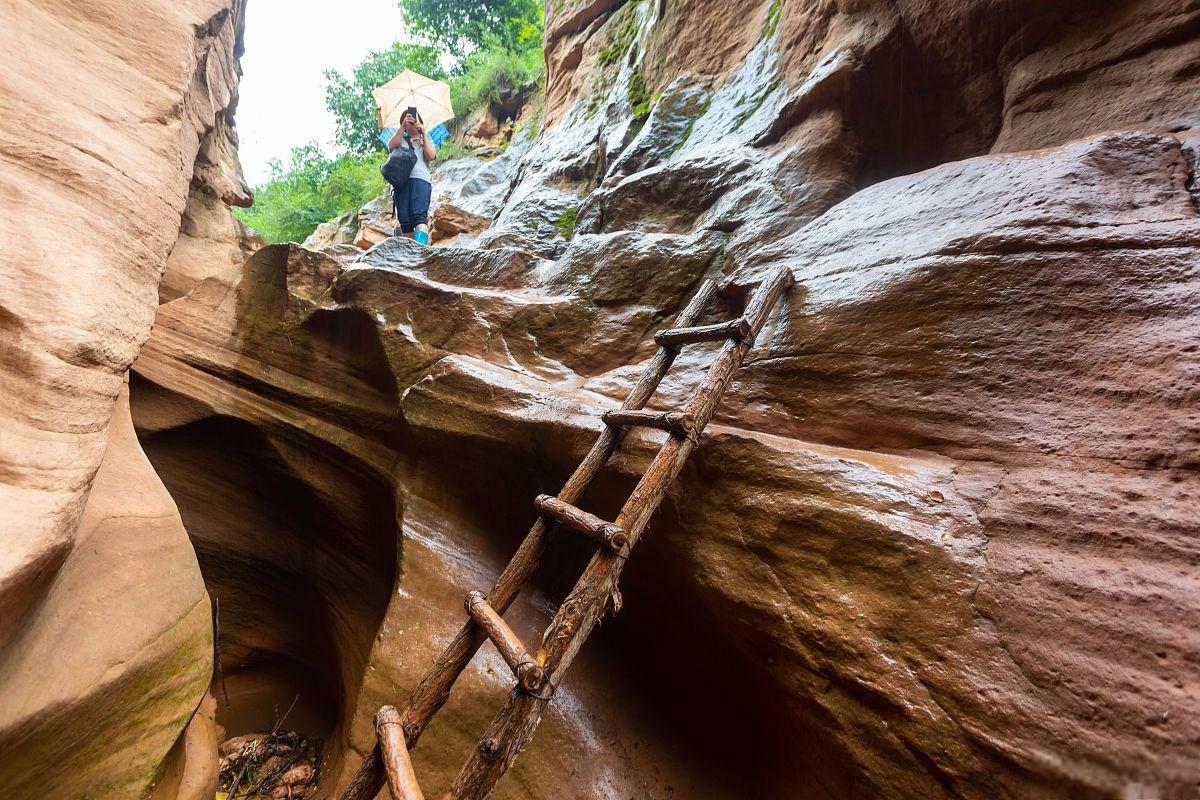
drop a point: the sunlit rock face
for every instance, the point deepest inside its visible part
(108, 112)
(211, 241)
(940, 540)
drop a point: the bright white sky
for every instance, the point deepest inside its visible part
(289, 45)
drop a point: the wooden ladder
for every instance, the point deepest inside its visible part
(538, 675)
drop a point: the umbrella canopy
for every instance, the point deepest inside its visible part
(431, 98)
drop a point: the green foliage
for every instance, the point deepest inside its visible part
(774, 14)
(497, 64)
(349, 98)
(566, 223)
(450, 150)
(311, 189)
(620, 40)
(459, 26)
(502, 40)
(488, 73)
(639, 98)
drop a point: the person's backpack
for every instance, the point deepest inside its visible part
(399, 164)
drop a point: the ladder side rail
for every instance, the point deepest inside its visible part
(434, 688)
(512, 729)
(401, 781)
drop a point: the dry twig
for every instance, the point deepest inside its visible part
(249, 757)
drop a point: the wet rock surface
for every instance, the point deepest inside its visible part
(921, 470)
(940, 540)
(932, 491)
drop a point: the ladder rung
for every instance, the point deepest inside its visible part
(434, 689)
(393, 748)
(736, 329)
(524, 666)
(606, 533)
(677, 422)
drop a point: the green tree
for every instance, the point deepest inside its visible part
(310, 189)
(349, 98)
(487, 74)
(456, 25)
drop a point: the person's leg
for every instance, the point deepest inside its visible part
(421, 195)
(403, 202)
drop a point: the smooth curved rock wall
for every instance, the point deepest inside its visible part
(285, 483)
(941, 539)
(105, 627)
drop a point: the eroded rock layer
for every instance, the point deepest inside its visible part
(107, 112)
(940, 541)
(937, 543)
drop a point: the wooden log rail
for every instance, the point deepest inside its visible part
(401, 781)
(434, 689)
(605, 533)
(588, 600)
(524, 666)
(676, 423)
(737, 329)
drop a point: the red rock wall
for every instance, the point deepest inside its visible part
(940, 541)
(1028, 318)
(929, 81)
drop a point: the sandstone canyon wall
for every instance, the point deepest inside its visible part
(105, 625)
(941, 540)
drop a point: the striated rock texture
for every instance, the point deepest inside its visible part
(105, 627)
(941, 540)
(278, 437)
(935, 545)
(211, 240)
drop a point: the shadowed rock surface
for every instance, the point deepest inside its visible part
(941, 538)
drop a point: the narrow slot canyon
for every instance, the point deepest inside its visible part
(298, 553)
(300, 549)
(296, 534)
(938, 541)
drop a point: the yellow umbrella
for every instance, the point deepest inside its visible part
(431, 98)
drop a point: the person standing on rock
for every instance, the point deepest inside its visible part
(411, 198)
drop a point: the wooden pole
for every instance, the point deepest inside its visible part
(514, 653)
(588, 600)
(674, 422)
(605, 533)
(434, 689)
(736, 329)
(401, 781)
